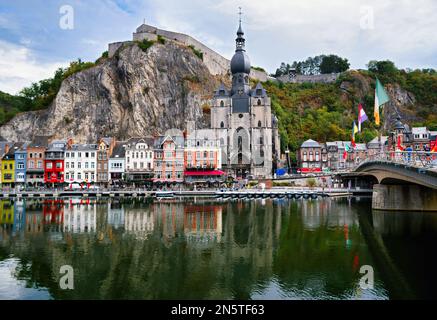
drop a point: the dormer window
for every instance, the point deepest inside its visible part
(259, 92)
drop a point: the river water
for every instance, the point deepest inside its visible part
(201, 249)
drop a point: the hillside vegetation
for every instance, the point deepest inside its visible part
(325, 112)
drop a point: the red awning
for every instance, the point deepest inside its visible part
(204, 173)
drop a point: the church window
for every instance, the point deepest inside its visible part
(261, 140)
(259, 124)
(261, 153)
(222, 124)
(259, 102)
(240, 116)
(222, 104)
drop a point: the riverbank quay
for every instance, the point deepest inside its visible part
(212, 193)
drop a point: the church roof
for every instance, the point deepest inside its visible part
(259, 91)
(221, 91)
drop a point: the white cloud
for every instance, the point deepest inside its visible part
(19, 68)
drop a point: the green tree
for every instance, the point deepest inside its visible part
(333, 64)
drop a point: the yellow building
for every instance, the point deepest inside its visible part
(6, 212)
(8, 166)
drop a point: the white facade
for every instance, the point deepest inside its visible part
(81, 163)
(80, 218)
(139, 156)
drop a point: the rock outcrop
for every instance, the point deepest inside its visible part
(133, 93)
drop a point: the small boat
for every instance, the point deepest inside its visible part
(164, 194)
(314, 196)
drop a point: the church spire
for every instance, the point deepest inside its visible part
(240, 41)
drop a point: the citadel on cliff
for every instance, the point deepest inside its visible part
(242, 122)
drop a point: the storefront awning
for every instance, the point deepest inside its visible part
(204, 173)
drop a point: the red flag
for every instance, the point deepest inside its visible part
(345, 155)
(353, 142)
(400, 148)
(434, 149)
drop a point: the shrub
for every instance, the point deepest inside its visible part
(198, 53)
(161, 39)
(311, 182)
(145, 44)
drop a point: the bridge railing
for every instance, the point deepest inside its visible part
(422, 159)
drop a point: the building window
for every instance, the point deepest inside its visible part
(259, 102)
(58, 165)
(222, 104)
(259, 124)
(49, 165)
(261, 140)
(222, 124)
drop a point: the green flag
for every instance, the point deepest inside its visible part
(381, 97)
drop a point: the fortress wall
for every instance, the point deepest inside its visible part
(113, 47)
(217, 64)
(318, 78)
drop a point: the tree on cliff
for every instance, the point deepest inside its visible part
(321, 64)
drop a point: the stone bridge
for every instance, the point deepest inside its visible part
(401, 186)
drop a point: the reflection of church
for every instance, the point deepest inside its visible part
(241, 118)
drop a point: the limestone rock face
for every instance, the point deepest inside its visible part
(134, 93)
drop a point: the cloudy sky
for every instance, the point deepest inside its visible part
(34, 40)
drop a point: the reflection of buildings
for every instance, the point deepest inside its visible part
(326, 213)
(139, 222)
(203, 222)
(115, 216)
(80, 218)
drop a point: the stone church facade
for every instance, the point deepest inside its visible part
(243, 122)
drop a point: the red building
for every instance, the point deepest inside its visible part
(54, 162)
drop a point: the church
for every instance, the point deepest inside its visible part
(243, 122)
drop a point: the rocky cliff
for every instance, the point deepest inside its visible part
(133, 93)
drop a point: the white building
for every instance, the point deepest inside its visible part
(81, 163)
(116, 162)
(139, 159)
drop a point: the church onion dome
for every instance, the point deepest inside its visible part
(399, 125)
(240, 63)
(221, 91)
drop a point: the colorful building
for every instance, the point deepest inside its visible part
(21, 164)
(8, 165)
(35, 161)
(169, 158)
(309, 156)
(105, 147)
(54, 162)
(4, 148)
(202, 158)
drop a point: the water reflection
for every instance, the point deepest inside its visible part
(124, 248)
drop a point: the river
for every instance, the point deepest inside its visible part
(204, 249)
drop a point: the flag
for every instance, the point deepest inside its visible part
(399, 146)
(381, 97)
(354, 131)
(434, 149)
(362, 116)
